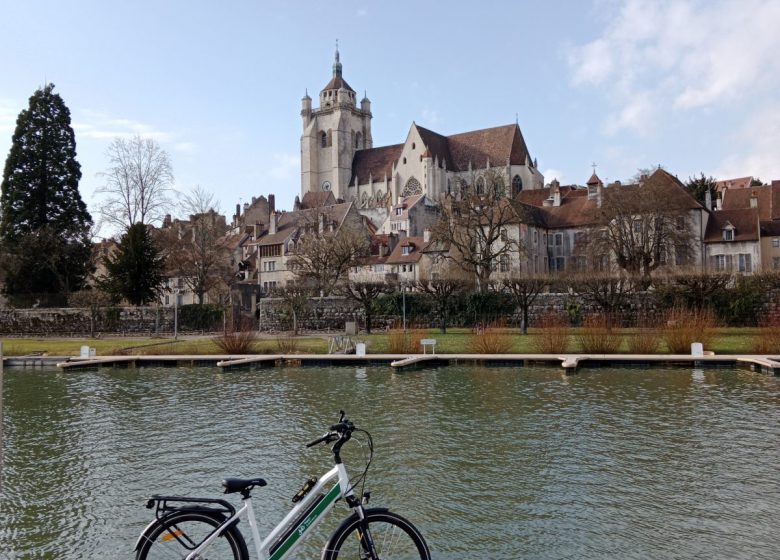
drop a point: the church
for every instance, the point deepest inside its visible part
(338, 155)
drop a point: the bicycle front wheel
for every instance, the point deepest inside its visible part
(177, 535)
(392, 536)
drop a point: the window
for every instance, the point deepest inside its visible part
(517, 185)
(728, 234)
(503, 263)
(776, 242)
(745, 263)
(399, 211)
(536, 237)
(411, 268)
(404, 161)
(637, 226)
(449, 186)
(481, 185)
(168, 299)
(413, 145)
(503, 235)
(323, 140)
(379, 268)
(680, 223)
(358, 141)
(776, 263)
(406, 250)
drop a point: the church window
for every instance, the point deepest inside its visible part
(412, 187)
(481, 185)
(358, 141)
(413, 145)
(330, 137)
(404, 161)
(517, 185)
(326, 185)
(323, 139)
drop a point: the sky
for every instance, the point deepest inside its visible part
(691, 85)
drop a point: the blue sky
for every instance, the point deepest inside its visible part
(691, 85)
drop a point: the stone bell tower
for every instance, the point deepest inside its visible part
(332, 134)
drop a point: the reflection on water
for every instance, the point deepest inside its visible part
(488, 462)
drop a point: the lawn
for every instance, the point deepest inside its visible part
(726, 341)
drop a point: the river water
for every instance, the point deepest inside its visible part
(500, 463)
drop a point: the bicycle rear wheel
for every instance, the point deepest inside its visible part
(178, 534)
(394, 538)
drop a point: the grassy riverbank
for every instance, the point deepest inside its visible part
(725, 341)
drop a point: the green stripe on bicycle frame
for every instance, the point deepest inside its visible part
(304, 525)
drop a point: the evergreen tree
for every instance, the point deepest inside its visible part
(135, 271)
(44, 223)
(698, 187)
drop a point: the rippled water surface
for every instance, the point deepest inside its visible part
(499, 463)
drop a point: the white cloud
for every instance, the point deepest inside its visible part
(761, 136)
(550, 174)
(656, 56)
(97, 125)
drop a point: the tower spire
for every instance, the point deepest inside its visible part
(337, 63)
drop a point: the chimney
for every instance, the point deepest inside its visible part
(400, 200)
(708, 199)
(271, 204)
(427, 235)
(273, 223)
(556, 193)
(719, 202)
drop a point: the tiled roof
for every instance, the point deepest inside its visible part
(734, 199)
(314, 199)
(337, 82)
(418, 245)
(407, 203)
(745, 222)
(594, 180)
(740, 183)
(376, 162)
(289, 222)
(497, 145)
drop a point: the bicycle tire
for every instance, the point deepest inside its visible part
(395, 538)
(177, 534)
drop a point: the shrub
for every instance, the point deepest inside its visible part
(206, 317)
(767, 339)
(400, 342)
(492, 340)
(646, 339)
(553, 334)
(241, 340)
(287, 344)
(686, 326)
(597, 335)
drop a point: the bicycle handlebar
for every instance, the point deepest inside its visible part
(341, 431)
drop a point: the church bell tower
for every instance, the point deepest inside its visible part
(332, 134)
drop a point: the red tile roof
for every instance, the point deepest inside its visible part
(376, 162)
(734, 199)
(418, 246)
(337, 82)
(745, 222)
(740, 183)
(314, 199)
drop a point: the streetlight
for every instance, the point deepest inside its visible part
(176, 314)
(403, 299)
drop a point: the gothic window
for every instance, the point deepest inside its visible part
(517, 185)
(358, 141)
(481, 185)
(323, 139)
(412, 187)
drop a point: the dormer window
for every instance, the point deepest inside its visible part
(406, 250)
(729, 232)
(399, 211)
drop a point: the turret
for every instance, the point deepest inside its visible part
(306, 109)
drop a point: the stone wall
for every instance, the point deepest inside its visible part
(86, 322)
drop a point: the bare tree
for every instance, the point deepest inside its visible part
(196, 252)
(323, 259)
(365, 293)
(475, 226)
(611, 293)
(642, 225)
(296, 297)
(199, 200)
(137, 183)
(524, 290)
(442, 291)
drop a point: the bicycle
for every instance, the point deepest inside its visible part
(206, 528)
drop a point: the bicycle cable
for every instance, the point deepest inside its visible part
(361, 478)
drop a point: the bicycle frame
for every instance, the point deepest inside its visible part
(284, 538)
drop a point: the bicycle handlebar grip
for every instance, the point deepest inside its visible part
(318, 440)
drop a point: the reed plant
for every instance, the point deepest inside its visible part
(647, 338)
(240, 340)
(287, 343)
(597, 335)
(405, 342)
(493, 339)
(685, 326)
(554, 334)
(767, 338)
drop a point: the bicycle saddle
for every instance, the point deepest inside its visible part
(232, 485)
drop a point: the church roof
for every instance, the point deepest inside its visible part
(337, 82)
(376, 162)
(594, 180)
(317, 199)
(496, 145)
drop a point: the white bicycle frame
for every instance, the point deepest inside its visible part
(294, 523)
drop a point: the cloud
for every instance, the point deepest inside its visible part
(760, 135)
(97, 125)
(664, 55)
(550, 174)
